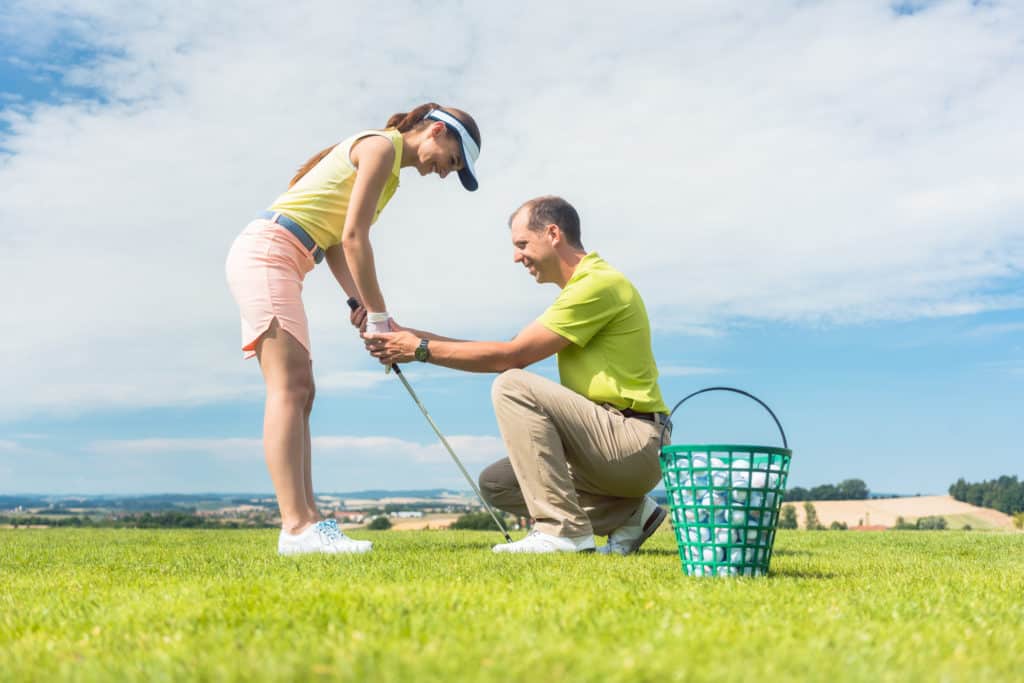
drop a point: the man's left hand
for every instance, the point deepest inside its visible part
(392, 347)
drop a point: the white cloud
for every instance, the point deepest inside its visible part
(467, 447)
(340, 463)
(477, 449)
(777, 161)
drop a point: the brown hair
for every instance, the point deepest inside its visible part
(551, 209)
(403, 122)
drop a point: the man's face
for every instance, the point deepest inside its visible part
(533, 249)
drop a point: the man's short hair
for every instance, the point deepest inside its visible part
(551, 209)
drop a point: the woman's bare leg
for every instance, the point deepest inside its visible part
(307, 455)
(288, 374)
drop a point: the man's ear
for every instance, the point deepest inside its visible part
(554, 234)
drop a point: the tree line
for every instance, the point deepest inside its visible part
(848, 489)
(1005, 494)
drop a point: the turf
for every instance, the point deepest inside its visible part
(134, 605)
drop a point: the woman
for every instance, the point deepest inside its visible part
(326, 213)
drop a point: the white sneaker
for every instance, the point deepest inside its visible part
(322, 537)
(539, 542)
(630, 536)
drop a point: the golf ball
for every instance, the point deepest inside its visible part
(716, 498)
(728, 571)
(699, 516)
(723, 536)
(712, 554)
(738, 517)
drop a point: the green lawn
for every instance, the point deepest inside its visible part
(133, 605)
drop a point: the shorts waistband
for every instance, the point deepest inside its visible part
(297, 230)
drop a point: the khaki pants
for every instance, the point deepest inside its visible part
(574, 466)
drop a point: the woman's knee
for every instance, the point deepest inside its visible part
(312, 395)
(295, 388)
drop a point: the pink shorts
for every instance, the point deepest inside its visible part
(265, 269)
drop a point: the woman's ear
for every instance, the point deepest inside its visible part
(436, 128)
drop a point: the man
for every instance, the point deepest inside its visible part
(583, 454)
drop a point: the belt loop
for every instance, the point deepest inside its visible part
(611, 409)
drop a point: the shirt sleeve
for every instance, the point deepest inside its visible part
(581, 310)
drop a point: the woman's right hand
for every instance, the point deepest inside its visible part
(357, 316)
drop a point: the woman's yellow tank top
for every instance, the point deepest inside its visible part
(319, 201)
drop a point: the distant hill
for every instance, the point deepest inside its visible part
(199, 501)
(884, 511)
(377, 494)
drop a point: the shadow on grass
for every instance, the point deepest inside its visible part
(791, 553)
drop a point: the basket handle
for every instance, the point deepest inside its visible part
(778, 424)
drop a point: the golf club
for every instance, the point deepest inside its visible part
(353, 304)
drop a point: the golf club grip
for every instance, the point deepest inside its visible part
(778, 424)
(353, 304)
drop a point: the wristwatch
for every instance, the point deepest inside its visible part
(422, 353)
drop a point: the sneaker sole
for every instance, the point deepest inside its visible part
(650, 526)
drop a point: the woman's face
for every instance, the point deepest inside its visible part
(440, 152)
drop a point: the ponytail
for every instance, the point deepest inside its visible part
(404, 122)
(313, 161)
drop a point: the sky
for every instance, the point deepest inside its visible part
(822, 203)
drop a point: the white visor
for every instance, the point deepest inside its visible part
(470, 150)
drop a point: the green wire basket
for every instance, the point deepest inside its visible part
(725, 501)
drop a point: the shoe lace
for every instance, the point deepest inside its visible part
(329, 530)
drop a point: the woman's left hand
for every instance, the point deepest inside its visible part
(392, 347)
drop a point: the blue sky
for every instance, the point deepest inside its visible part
(813, 210)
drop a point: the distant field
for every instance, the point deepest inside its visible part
(884, 511)
(140, 605)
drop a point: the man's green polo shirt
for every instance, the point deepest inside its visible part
(609, 359)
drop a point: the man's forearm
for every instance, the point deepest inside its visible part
(422, 334)
(473, 356)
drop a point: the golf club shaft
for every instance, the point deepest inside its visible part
(353, 304)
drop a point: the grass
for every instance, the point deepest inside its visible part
(975, 522)
(135, 605)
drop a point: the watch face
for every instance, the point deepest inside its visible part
(422, 354)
